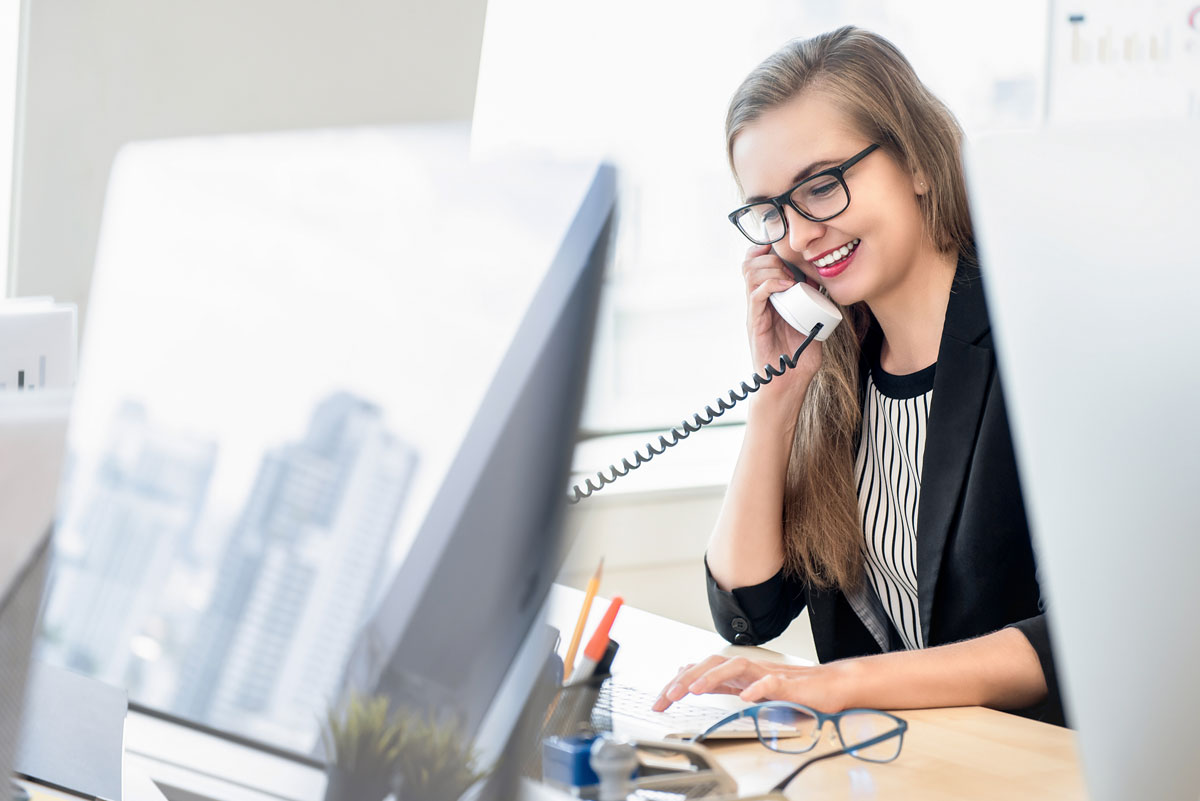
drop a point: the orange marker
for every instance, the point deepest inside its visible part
(595, 647)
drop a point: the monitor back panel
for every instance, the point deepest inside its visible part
(33, 429)
(1092, 272)
(18, 618)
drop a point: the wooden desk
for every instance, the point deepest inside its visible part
(957, 753)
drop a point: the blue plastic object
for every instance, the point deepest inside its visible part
(565, 761)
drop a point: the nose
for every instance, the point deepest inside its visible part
(802, 231)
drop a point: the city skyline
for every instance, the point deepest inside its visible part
(286, 596)
(123, 524)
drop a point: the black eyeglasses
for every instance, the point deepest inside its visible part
(868, 734)
(818, 198)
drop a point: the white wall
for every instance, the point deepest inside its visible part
(99, 73)
(653, 546)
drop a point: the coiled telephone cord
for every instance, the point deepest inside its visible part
(687, 428)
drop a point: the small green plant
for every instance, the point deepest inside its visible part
(364, 743)
(436, 764)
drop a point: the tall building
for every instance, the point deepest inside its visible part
(299, 571)
(123, 524)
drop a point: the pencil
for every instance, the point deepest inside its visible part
(590, 593)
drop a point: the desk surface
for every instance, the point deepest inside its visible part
(955, 753)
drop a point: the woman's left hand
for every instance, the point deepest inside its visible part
(818, 686)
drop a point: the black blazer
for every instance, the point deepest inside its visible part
(976, 571)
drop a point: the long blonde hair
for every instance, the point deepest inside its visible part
(876, 87)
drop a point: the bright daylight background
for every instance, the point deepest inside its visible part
(287, 336)
(287, 342)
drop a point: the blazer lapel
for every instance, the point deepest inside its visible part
(964, 371)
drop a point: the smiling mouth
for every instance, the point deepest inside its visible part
(833, 257)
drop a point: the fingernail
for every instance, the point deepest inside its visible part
(697, 686)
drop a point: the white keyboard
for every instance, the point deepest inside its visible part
(681, 718)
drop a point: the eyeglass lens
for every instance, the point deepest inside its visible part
(795, 731)
(821, 197)
(788, 730)
(855, 727)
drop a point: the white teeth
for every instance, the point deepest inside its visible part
(838, 254)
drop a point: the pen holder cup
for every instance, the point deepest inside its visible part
(584, 708)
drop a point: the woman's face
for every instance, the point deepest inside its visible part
(809, 134)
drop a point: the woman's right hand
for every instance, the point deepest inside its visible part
(771, 336)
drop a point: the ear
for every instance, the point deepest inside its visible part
(920, 185)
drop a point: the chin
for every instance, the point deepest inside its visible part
(858, 284)
(843, 294)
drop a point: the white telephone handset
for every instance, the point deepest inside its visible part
(803, 308)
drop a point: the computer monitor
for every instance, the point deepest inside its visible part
(1089, 259)
(268, 355)
(33, 430)
(450, 625)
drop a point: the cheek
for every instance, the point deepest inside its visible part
(895, 227)
(910, 229)
(889, 204)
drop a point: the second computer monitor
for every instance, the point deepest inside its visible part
(1089, 261)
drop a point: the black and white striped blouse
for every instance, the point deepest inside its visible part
(888, 472)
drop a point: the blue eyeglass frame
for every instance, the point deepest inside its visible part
(821, 718)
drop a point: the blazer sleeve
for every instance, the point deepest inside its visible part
(756, 614)
(1037, 632)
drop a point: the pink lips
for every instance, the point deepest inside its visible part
(837, 268)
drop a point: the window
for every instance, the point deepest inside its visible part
(10, 27)
(646, 85)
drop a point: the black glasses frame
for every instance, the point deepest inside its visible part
(838, 172)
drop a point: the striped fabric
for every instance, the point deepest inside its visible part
(888, 472)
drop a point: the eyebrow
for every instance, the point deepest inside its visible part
(816, 166)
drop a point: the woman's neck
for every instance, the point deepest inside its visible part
(912, 313)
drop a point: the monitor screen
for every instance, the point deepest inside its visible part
(460, 606)
(288, 338)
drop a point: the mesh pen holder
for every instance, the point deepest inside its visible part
(584, 708)
(577, 709)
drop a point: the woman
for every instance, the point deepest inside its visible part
(876, 484)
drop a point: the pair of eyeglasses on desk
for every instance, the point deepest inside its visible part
(868, 734)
